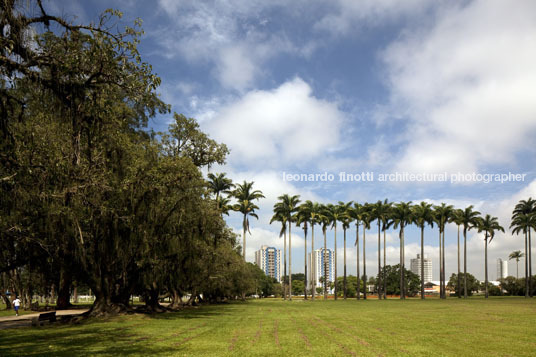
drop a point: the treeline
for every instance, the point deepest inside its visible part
(91, 197)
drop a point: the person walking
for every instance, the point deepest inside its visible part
(16, 305)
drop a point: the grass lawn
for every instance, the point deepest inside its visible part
(476, 327)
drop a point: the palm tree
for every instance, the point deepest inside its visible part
(288, 205)
(324, 221)
(456, 218)
(423, 215)
(401, 216)
(280, 216)
(356, 214)
(304, 217)
(334, 214)
(386, 219)
(522, 222)
(315, 209)
(516, 254)
(488, 225)
(366, 218)
(469, 220)
(527, 207)
(245, 196)
(346, 219)
(442, 215)
(218, 184)
(380, 213)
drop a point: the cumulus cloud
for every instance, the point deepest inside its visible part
(466, 86)
(271, 128)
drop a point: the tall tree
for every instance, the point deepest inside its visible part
(527, 207)
(402, 215)
(457, 218)
(516, 254)
(422, 216)
(366, 218)
(469, 220)
(334, 214)
(522, 222)
(346, 219)
(219, 184)
(304, 216)
(442, 214)
(489, 225)
(288, 205)
(280, 216)
(245, 195)
(315, 209)
(356, 214)
(325, 222)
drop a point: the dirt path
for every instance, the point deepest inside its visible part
(25, 320)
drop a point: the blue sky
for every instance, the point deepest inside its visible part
(374, 85)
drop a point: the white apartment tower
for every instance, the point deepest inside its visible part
(269, 260)
(416, 267)
(502, 268)
(315, 261)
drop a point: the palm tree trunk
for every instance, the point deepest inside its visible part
(364, 264)
(305, 262)
(517, 268)
(422, 262)
(285, 265)
(379, 282)
(401, 268)
(325, 267)
(443, 266)
(358, 292)
(384, 265)
(526, 268)
(464, 263)
(458, 276)
(403, 264)
(313, 281)
(289, 261)
(530, 265)
(486, 263)
(344, 278)
(335, 258)
(440, 265)
(244, 238)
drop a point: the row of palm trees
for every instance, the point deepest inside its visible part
(288, 211)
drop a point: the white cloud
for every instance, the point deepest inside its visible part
(271, 128)
(467, 86)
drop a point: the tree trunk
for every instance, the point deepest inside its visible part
(313, 281)
(458, 277)
(443, 280)
(486, 263)
(357, 261)
(335, 259)
(325, 267)
(526, 268)
(402, 290)
(244, 238)
(440, 266)
(7, 302)
(305, 261)
(64, 291)
(379, 282)
(422, 262)
(344, 278)
(530, 265)
(364, 264)
(285, 264)
(464, 263)
(289, 260)
(384, 265)
(75, 295)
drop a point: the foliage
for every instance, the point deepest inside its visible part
(473, 285)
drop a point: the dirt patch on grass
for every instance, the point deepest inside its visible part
(258, 334)
(186, 339)
(233, 340)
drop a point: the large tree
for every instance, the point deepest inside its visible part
(523, 223)
(489, 225)
(402, 215)
(469, 220)
(245, 195)
(516, 254)
(442, 215)
(422, 216)
(527, 207)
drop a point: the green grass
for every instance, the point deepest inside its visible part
(476, 327)
(11, 312)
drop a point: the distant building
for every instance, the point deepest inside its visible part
(316, 261)
(416, 267)
(269, 260)
(502, 268)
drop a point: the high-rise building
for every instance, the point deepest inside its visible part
(416, 267)
(316, 261)
(269, 260)
(502, 268)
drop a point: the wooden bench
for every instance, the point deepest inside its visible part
(46, 316)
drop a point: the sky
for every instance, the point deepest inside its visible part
(371, 86)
